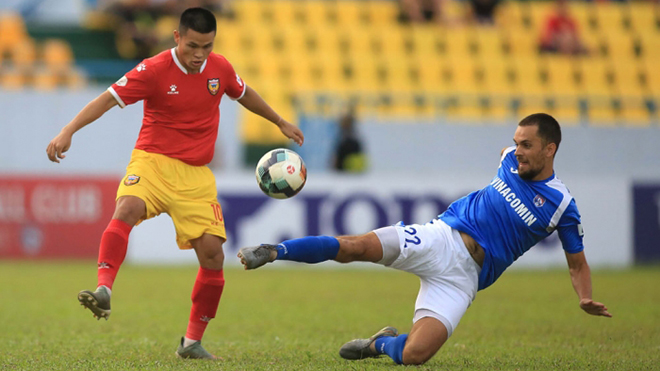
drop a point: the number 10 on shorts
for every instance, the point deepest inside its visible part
(217, 212)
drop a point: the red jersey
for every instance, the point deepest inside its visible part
(181, 111)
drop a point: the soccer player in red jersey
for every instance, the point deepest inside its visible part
(181, 89)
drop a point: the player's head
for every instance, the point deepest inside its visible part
(537, 139)
(194, 37)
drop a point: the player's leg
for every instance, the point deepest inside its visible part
(448, 278)
(199, 225)
(315, 249)
(425, 339)
(205, 296)
(112, 252)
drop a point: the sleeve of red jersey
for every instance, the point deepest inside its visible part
(235, 86)
(134, 86)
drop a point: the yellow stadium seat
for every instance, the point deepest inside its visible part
(499, 78)
(24, 54)
(651, 46)
(540, 11)
(629, 81)
(597, 77)
(424, 40)
(610, 16)
(459, 42)
(529, 77)
(350, 13)
(248, 12)
(634, 112)
(12, 30)
(285, 12)
(57, 54)
(390, 41)
(643, 16)
(383, 13)
(652, 73)
(227, 39)
(523, 44)
(489, 41)
(562, 79)
(14, 79)
(316, 12)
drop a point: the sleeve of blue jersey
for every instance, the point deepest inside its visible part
(569, 229)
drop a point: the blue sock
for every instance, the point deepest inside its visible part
(312, 249)
(392, 346)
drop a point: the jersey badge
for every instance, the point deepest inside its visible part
(539, 201)
(141, 67)
(173, 90)
(123, 81)
(213, 85)
(131, 179)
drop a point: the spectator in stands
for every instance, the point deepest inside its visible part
(560, 33)
(349, 154)
(483, 11)
(420, 11)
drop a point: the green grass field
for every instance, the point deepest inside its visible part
(296, 319)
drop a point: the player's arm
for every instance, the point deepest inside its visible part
(254, 103)
(581, 279)
(92, 111)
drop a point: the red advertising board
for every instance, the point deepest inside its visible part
(54, 216)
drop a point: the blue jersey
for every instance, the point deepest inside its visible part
(511, 215)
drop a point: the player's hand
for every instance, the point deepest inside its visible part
(594, 308)
(58, 146)
(292, 132)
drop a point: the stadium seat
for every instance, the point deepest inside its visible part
(12, 31)
(13, 79)
(382, 13)
(24, 54)
(57, 55)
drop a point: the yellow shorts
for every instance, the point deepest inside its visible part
(186, 193)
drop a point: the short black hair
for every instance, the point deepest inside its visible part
(197, 19)
(548, 128)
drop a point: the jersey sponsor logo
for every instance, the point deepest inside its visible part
(213, 85)
(131, 179)
(514, 170)
(539, 201)
(141, 67)
(123, 81)
(173, 90)
(516, 204)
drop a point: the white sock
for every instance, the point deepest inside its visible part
(188, 342)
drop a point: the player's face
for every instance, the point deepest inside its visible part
(533, 154)
(193, 48)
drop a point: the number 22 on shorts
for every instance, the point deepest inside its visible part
(412, 239)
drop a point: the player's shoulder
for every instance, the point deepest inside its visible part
(157, 62)
(217, 60)
(557, 187)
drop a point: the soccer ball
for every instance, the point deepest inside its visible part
(281, 173)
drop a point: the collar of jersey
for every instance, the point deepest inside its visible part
(183, 69)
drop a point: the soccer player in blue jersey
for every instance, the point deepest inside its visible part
(465, 249)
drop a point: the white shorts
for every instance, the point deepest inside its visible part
(434, 252)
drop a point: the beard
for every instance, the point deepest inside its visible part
(529, 174)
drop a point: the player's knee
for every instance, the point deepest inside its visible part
(130, 210)
(414, 354)
(358, 248)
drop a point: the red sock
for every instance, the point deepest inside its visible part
(205, 299)
(112, 251)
